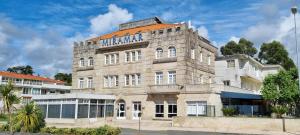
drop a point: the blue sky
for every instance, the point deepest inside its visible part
(41, 32)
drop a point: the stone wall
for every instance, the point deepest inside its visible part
(237, 124)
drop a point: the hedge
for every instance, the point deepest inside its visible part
(105, 130)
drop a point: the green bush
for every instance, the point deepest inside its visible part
(105, 130)
(279, 110)
(229, 111)
(3, 117)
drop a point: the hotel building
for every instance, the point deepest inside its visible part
(158, 69)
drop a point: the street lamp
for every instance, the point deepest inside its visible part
(294, 11)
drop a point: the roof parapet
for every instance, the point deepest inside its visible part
(144, 22)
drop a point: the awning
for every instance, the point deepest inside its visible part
(226, 94)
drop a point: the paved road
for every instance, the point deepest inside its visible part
(171, 132)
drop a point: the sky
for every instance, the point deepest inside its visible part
(41, 33)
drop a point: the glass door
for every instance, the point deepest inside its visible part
(136, 110)
(121, 111)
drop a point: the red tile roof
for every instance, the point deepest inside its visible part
(132, 31)
(31, 77)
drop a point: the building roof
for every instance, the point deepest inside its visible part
(31, 77)
(132, 31)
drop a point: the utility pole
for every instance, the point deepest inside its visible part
(294, 11)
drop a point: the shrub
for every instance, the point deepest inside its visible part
(105, 130)
(229, 111)
(3, 117)
(279, 110)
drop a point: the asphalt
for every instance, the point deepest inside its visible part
(126, 131)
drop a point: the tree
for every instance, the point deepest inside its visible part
(275, 53)
(21, 69)
(281, 90)
(30, 118)
(244, 46)
(64, 77)
(9, 98)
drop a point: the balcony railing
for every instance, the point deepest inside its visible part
(166, 89)
(85, 68)
(164, 60)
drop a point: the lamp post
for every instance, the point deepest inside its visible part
(294, 11)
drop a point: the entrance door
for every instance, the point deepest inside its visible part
(136, 110)
(121, 110)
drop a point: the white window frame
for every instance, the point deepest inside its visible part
(171, 52)
(81, 83)
(160, 111)
(208, 60)
(91, 61)
(81, 62)
(193, 53)
(201, 56)
(197, 105)
(159, 53)
(171, 77)
(173, 112)
(90, 82)
(159, 78)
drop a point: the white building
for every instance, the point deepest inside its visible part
(28, 85)
(242, 71)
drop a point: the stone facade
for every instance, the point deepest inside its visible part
(193, 66)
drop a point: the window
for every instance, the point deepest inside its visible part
(90, 82)
(161, 31)
(159, 53)
(132, 79)
(127, 80)
(172, 77)
(172, 110)
(208, 60)
(159, 110)
(35, 91)
(226, 83)
(158, 78)
(26, 90)
(169, 30)
(5, 79)
(81, 82)
(230, 63)
(81, 62)
(172, 51)
(196, 108)
(91, 61)
(111, 81)
(111, 59)
(177, 29)
(192, 53)
(201, 57)
(201, 79)
(133, 56)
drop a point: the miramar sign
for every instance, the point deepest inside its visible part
(122, 40)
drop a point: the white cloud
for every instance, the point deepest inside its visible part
(168, 16)
(202, 31)
(234, 38)
(281, 30)
(109, 21)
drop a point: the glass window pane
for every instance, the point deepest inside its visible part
(53, 111)
(93, 111)
(82, 111)
(68, 111)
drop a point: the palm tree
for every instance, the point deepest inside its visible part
(9, 98)
(30, 118)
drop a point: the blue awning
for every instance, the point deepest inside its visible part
(225, 94)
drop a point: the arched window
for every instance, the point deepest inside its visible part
(81, 62)
(159, 53)
(172, 51)
(91, 61)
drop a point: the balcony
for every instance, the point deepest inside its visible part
(164, 60)
(85, 68)
(164, 89)
(250, 74)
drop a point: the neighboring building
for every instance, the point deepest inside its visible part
(28, 85)
(243, 72)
